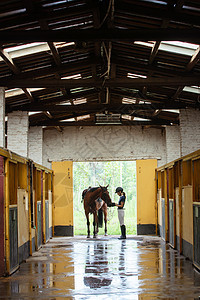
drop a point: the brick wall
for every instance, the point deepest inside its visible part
(2, 117)
(104, 143)
(17, 132)
(35, 144)
(189, 130)
(173, 150)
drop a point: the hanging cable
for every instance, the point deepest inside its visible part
(107, 13)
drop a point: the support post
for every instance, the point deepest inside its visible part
(2, 219)
(2, 117)
(7, 238)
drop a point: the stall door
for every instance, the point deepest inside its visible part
(146, 199)
(2, 234)
(196, 222)
(39, 225)
(171, 222)
(47, 219)
(63, 198)
(13, 233)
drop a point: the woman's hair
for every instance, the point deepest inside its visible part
(124, 195)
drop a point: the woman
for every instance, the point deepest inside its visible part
(120, 205)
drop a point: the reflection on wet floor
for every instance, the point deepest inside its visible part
(104, 268)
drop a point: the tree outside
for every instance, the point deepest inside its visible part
(114, 173)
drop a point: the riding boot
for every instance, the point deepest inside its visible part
(123, 233)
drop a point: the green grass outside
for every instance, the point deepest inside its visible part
(114, 173)
(80, 226)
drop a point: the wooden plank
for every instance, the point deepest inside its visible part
(126, 82)
(111, 34)
(2, 218)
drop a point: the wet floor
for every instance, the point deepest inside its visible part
(105, 268)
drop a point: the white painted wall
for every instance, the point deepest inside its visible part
(17, 132)
(35, 144)
(189, 130)
(104, 143)
(2, 117)
(90, 143)
(173, 140)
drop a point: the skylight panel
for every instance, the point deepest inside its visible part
(68, 120)
(128, 100)
(178, 47)
(65, 103)
(177, 111)
(56, 3)
(80, 101)
(144, 102)
(30, 113)
(26, 49)
(132, 75)
(126, 117)
(146, 44)
(141, 119)
(196, 9)
(192, 89)
(18, 91)
(172, 46)
(24, 46)
(13, 12)
(76, 76)
(83, 117)
(63, 44)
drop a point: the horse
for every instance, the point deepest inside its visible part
(94, 199)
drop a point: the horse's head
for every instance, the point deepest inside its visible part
(105, 195)
(104, 188)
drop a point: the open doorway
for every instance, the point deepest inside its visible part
(114, 173)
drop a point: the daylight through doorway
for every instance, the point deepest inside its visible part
(114, 173)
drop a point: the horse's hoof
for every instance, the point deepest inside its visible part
(88, 237)
(95, 236)
(105, 234)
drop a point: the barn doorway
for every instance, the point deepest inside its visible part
(114, 173)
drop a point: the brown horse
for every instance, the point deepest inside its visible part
(96, 198)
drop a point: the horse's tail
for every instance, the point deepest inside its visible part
(83, 195)
(100, 217)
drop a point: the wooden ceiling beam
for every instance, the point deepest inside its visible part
(12, 66)
(92, 123)
(65, 67)
(90, 107)
(139, 10)
(122, 82)
(111, 34)
(194, 60)
(9, 62)
(131, 65)
(15, 105)
(23, 19)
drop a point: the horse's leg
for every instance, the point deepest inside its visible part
(88, 226)
(95, 224)
(105, 213)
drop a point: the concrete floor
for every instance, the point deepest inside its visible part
(105, 268)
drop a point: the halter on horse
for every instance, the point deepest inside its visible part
(90, 197)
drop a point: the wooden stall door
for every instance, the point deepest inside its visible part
(2, 235)
(63, 198)
(146, 199)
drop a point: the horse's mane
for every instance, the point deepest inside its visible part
(93, 189)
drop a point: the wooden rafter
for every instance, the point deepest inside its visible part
(193, 61)
(111, 34)
(9, 62)
(125, 82)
